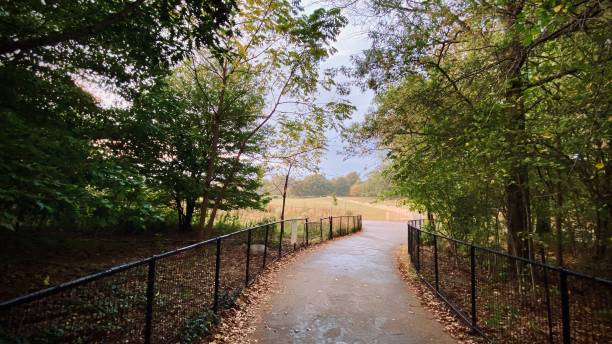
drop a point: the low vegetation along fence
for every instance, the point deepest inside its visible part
(168, 298)
(508, 299)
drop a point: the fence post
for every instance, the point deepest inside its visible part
(150, 299)
(564, 306)
(547, 294)
(473, 283)
(331, 229)
(321, 228)
(266, 246)
(217, 278)
(418, 250)
(248, 260)
(435, 243)
(409, 241)
(306, 230)
(280, 241)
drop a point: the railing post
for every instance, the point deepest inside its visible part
(306, 230)
(331, 229)
(565, 316)
(408, 238)
(150, 299)
(473, 284)
(547, 294)
(248, 259)
(321, 228)
(266, 246)
(280, 242)
(418, 250)
(435, 243)
(217, 277)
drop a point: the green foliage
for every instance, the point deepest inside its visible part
(52, 166)
(495, 118)
(198, 326)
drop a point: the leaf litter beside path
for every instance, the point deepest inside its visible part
(453, 325)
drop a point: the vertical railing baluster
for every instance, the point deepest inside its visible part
(547, 295)
(321, 228)
(148, 330)
(565, 315)
(217, 277)
(280, 242)
(473, 284)
(437, 275)
(266, 246)
(248, 259)
(331, 227)
(418, 250)
(306, 231)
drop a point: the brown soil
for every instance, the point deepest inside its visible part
(31, 261)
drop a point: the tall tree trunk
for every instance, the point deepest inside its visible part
(517, 188)
(559, 219)
(214, 152)
(189, 209)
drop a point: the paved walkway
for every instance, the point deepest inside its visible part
(349, 291)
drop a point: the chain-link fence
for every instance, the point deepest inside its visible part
(508, 299)
(173, 297)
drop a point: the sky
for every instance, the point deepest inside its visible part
(351, 41)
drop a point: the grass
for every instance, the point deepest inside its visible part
(314, 207)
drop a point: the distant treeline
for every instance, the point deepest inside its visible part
(316, 185)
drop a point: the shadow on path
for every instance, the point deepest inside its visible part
(349, 291)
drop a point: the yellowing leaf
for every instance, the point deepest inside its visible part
(558, 8)
(46, 281)
(599, 165)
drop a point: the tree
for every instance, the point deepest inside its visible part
(342, 184)
(51, 164)
(167, 131)
(281, 49)
(476, 103)
(301, 145)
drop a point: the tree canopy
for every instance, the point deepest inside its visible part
(496, 113)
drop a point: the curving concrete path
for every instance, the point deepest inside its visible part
(349, 291)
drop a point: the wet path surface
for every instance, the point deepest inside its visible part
(349, 291)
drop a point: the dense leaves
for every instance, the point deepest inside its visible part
(496, 117)
(114, 112)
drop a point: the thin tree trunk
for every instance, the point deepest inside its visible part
(559, 221)
(179, 211)
(214, 152)
(282, 217)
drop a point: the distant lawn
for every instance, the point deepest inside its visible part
(316, 207)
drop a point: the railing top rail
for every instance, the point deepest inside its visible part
(525, 260)
(71, 284)
(37, 295)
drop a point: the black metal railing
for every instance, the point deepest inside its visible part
(509, 299)
(170, 297)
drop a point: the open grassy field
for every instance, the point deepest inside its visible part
(314, 207)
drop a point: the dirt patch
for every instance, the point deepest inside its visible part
(36, 260)
(452, 325)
